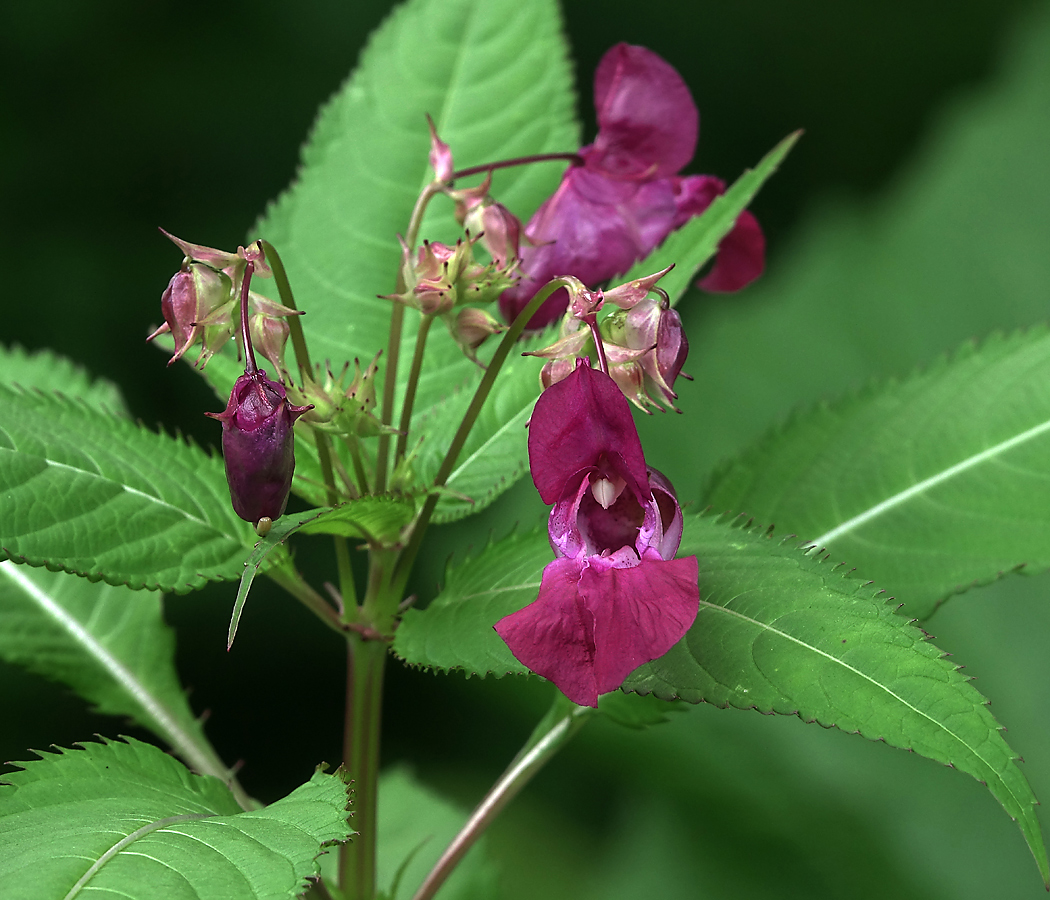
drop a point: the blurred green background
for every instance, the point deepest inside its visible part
(914, 215)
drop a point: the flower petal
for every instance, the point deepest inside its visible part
(578, 425)
(741, 257)
(639, 613)
(554, 635)
(647, 121)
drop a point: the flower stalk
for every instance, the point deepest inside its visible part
(553, 732)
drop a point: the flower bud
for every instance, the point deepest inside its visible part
(195, 293)
(440, 155)
(652, 325)
(472, 327)
(258, 446)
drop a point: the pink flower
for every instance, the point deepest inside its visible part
(627, 196)
(615, 597)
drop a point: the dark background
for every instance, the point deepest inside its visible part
(122, 116)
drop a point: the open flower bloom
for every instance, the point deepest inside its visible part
(627, 196)
(615, 597)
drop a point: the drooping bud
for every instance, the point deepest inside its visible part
(471, 327)
(258, 446)
(194, 293)
(630, 293)
(498, 228)
(654, 326)
(268, 322)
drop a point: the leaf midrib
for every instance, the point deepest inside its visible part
(119, 846)
(153, 707)
(765, 626)
(926, 484)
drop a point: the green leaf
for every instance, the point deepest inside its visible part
(635, 710)
(127, 819)
(99, 496)
(109, 644)
(379, 519)
(496, 452)
(456, 630)
(930, 485)
(697, 241)
(415, 825)
(47, 371)
(497, 80)
(782, 632)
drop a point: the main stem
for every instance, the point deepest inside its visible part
(364, 700)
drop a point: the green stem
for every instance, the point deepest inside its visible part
(410, 388)
(359, 466)
(296, 585)
(397, 318)
(284, 291)
(364, 699)
(553, 732)
(480, 396)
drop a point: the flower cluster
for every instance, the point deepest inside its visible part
(201, 301)
(615, 597)
(643, 341)
(627, 195)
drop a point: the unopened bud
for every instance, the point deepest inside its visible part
(258, 446)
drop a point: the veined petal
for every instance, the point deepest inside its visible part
(554, 635)
(579, 425)
(638, 613)
(647, 121)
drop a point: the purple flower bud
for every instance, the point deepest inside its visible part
(258, 446)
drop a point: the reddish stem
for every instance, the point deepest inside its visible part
(250, 367)
(574, 158)
(599, 347)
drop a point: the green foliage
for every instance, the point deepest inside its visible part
(47, 371)
(777, 631)
(142, 826)
(415, 826)
(107, 643)
(455, 630)
(376, 519)
(782, 632)
(102, 497)
(930, 485)
(697, 241)
(635, 710)
(497, 80)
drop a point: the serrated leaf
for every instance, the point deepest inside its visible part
(126, 819)
(777, 631)
(495, 455)
(47, 371)
(109, 644)
(783, 632)
(697, 241)
(497, 80)
(378, 519)
(636, 711)
(930, 485)
(99, 496)
(455, 631)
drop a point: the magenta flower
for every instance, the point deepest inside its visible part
(615, 597)
(627, 196)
